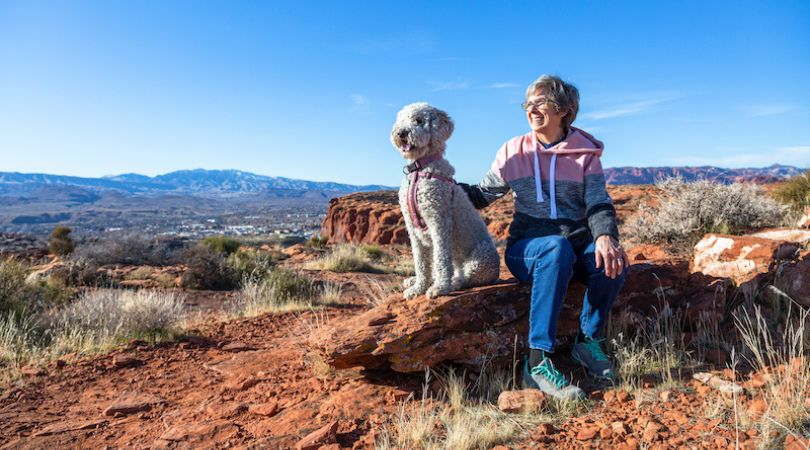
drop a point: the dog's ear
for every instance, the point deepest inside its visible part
(441, 126)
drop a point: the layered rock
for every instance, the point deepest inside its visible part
(474, 326)
(740, 258)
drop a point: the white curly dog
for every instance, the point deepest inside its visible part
(451, 246)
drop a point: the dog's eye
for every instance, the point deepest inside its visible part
(419, 121)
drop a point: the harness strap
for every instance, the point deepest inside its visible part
(413, 190)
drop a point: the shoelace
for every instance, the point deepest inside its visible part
(595, 347)
(551, 373)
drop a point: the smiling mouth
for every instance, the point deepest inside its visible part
(406, 147)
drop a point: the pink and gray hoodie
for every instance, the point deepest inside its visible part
(558, 190)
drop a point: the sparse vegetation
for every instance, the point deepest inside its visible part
(222, 244)
(208, 269)
(61, 243)
(131, 249)
(23, 297)
(250, 263)
(687, 211)
(347, 258)
(795, 192)
(282, 290)
(318, 242)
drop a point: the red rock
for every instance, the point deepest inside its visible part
(587, 433)
(739, 258)
(703, 390)
(523, 401)
(200, 431)
(620, 429)
(622, 396)
(225, 410)
(605, 433)
(793, 280)
(132, 402)
(757, 408)
(793, 442)
(804, 221)
(236, 347)
(545, 429)
(266, 409)
(122, 361)
(664, 396)
(69, 425)
(609, 396)
(327, 434)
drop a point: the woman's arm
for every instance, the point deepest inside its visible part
(491, 188)
(602, 221)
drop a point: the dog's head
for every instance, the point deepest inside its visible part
(421, 130)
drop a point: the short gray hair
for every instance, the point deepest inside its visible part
(565, 95)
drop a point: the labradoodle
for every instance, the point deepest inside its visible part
(451, 246)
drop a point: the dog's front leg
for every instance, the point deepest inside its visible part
(418, 284)
(440, 227)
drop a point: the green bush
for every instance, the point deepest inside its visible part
(250, 263)
(318, 242)
(795, 192)
(208, 269)
(61, 243)
(222, 244)
(23, 298)
(373, 251)
(130, 249)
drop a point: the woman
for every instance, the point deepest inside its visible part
(564, 226)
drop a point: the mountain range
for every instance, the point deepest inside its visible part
(223, 183)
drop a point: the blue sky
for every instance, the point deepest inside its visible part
(308, 89)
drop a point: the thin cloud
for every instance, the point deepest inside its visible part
(359, 102)
(449, 85)
(505, 85)
(626, 109)
(798, 155)
(771, 109)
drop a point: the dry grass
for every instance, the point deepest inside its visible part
(454, 420)
(282, 290)
(346, 258)
(96, 321)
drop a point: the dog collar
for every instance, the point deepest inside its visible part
(420, 163)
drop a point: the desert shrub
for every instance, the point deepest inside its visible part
(346, 258)
(687, 211)
(24, 298)
(795, 192)
(250, 263)
(208, 269)
(222, 244)
(101, 317)
(281, 290)
(61, 243)
(318, 242)
(130, 249)
(373, 251)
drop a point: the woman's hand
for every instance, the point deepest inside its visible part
(610, 255)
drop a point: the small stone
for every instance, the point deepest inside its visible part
(587, 433)
(523, 401)
(650, 435)
(796, 443)
(622, 396)
(703, 390)
(609, 396)
(620, 429)
(757, 408)
(664, 396)
(545, 429)
(132, 402)
(605, 433)
(236, 347)
(33, 371)
(122, 361)
(266, 409)
(500, 447)
(327, 434)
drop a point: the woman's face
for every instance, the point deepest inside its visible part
(542, 114)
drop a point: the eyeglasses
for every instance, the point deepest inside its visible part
(538, 104)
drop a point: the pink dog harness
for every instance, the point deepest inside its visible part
(414, 172)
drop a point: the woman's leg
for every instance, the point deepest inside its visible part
(600, 294)
(548, 263)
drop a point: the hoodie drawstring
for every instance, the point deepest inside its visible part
(538, 183)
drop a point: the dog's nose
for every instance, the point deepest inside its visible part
(403, 134)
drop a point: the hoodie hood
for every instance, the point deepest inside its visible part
(576, 142)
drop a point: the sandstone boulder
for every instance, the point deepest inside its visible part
(740, 258)
(476, 325)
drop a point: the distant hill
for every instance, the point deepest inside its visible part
(188, 182)
(649, 175)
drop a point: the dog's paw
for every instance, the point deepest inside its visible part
(408, 282)
(413, 292)
(435, 291)
(459, 284)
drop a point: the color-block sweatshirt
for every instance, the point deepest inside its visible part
(558, 190)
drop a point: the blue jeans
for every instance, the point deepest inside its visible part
(550, 262)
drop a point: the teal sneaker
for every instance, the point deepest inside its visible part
(548, 379)
(589, 353)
